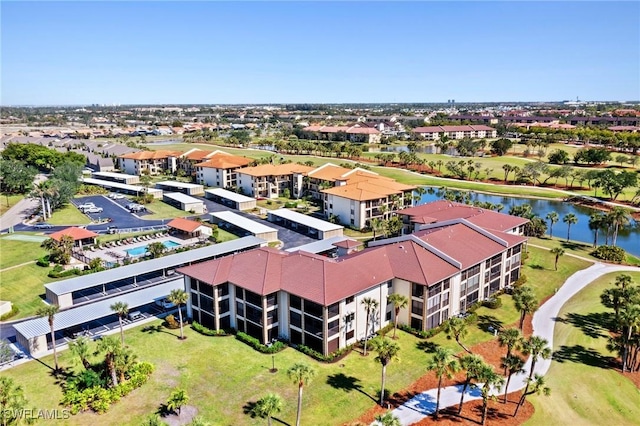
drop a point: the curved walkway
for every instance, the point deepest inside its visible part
(543, 323)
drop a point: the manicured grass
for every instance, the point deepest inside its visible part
(539, 269)
(7, 202)
(68, 215)
(585, 391)
(162, 210)
(13, 252)
(224, 236)
(577, 248)
(23, 286)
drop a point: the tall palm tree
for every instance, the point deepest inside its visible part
(80, 348)
(512, 365)
(525, 301)
(537, 348)
(537, 386)
(301, 374)
(491, 380)
(179, 297)
(121, 309)
(370, 305)
(472, 364)
(387, 351)
(110, 347)
(596, 221)
(511, 338)
(50, 311)
(630, 321)
(40, 191)
(388, 419)
(457, 328)
(619, 217)
(268, 406)
(557, 251)
(552, 217)
(442, 364)
(399, 301)
(569, 219)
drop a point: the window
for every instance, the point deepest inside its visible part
(313, 326)
(417, 307)
(194, 300)
(417, 290)
(206, 289)
(388, 316)
(349, 299)
(333, 310)
(272, 316)
(253, 314)
(206, 304)
(312, 309)
(240, 309)
(334, 328)
(416, 323)
(350, 334)
(194, 284)
(390, 284)
(295, 319)
(223, 289)
(224, 306)
(295, 302)
(253, 298)
(272, 299)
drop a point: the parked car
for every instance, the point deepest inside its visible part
(93, 210)
(135, 207)
(42, 225)
(112, 229)
(116, 196)
(165, 303)
(86, 206)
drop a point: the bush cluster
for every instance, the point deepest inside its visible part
(332, 357)
(87, 391)
(255, 344)
(493, 302)
(520, 281)
(610, 253)
(170, 322)
(207, 331)
(43, 261)
(59, 272)
(420, 333)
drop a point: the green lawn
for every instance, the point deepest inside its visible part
(68, 215)
(7, 202)
(162, 210)
(24, 287)
(577, 248)
(13, 252)
(585, 391)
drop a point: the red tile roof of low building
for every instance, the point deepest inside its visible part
(465, 128)
(275, 169)
(151, 155)
(348, 243)
(224, 161)
(75, 233)
(185, 225)
(368, 188)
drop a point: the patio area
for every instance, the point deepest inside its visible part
(132, 248)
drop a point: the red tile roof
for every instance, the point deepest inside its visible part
(151, 155)
(185, 225)
(75, 233)
(224, 161)
(439, 129)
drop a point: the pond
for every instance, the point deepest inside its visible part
(628, 237)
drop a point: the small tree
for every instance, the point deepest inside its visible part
(442, 364)
(511, 338)
(512, 365)
(537, 348)
(177, 400)
(268, 406)
(12, 401)
(490, 380)
(456, 328)
(121, 309)
(399, 301)
(80, 348)
(370, 305)
(525, 301)
(50, 312)
(535, 385)
(301, 374)
(156, 249)
(557, 252)
(110, 347)
(388, 419)
(179, 297)
(387, 351)
(472, 364)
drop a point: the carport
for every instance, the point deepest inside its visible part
(184, 202)
(117, 177)
(305, 224)
(230, 199)
(123, 187)
(240, 224)
(183, 187)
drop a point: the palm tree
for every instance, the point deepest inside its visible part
(387, 351)
(156, 249)
(301, 374)
(596, 221)
(268, 406)
(12, 402)
(177, 400)
(630, 321)
(552, 217)
(179, 297)
(40, 191)
(443, 364)
(50, 311)
(370, 305)
(511, 338)
(399, 301)
(619, 217)
(456, 328)
(569, 219)
(537, 348)
(525, 301)
(110, 347)
(537, 386)
(388, 419)
(80, 348)
(557, 251)
(490, 380)
(376, 224)
(121, 309)
(472, 365)
(512, 365)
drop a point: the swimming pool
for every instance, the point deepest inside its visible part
(138, 251)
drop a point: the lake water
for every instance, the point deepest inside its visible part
(628, 237)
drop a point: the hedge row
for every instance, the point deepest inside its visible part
(255, 344)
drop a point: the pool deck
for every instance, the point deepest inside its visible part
(117, 250)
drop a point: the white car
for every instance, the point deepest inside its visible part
(116, 196)
(86, 206)
(94, 210)
(165, 303)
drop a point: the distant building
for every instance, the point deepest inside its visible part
(434, 133)
(271, 180)
(154, 162)
(220, 170)
(357, 133)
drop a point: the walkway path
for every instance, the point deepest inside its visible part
(17, 266)
(543, 322)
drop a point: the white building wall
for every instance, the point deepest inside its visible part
(341, 207)
(129, 166)
(245, 182)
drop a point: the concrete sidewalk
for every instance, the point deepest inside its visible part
(543, 322)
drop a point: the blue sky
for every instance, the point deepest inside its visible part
(277, 52)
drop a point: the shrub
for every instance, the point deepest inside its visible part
(332, 357)
(493, 302)
(520, 281)
(207, 331)
(255, 344)
(14, 311)
(43, 261)
(170, 322)
(610, 253)
(58, 272)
